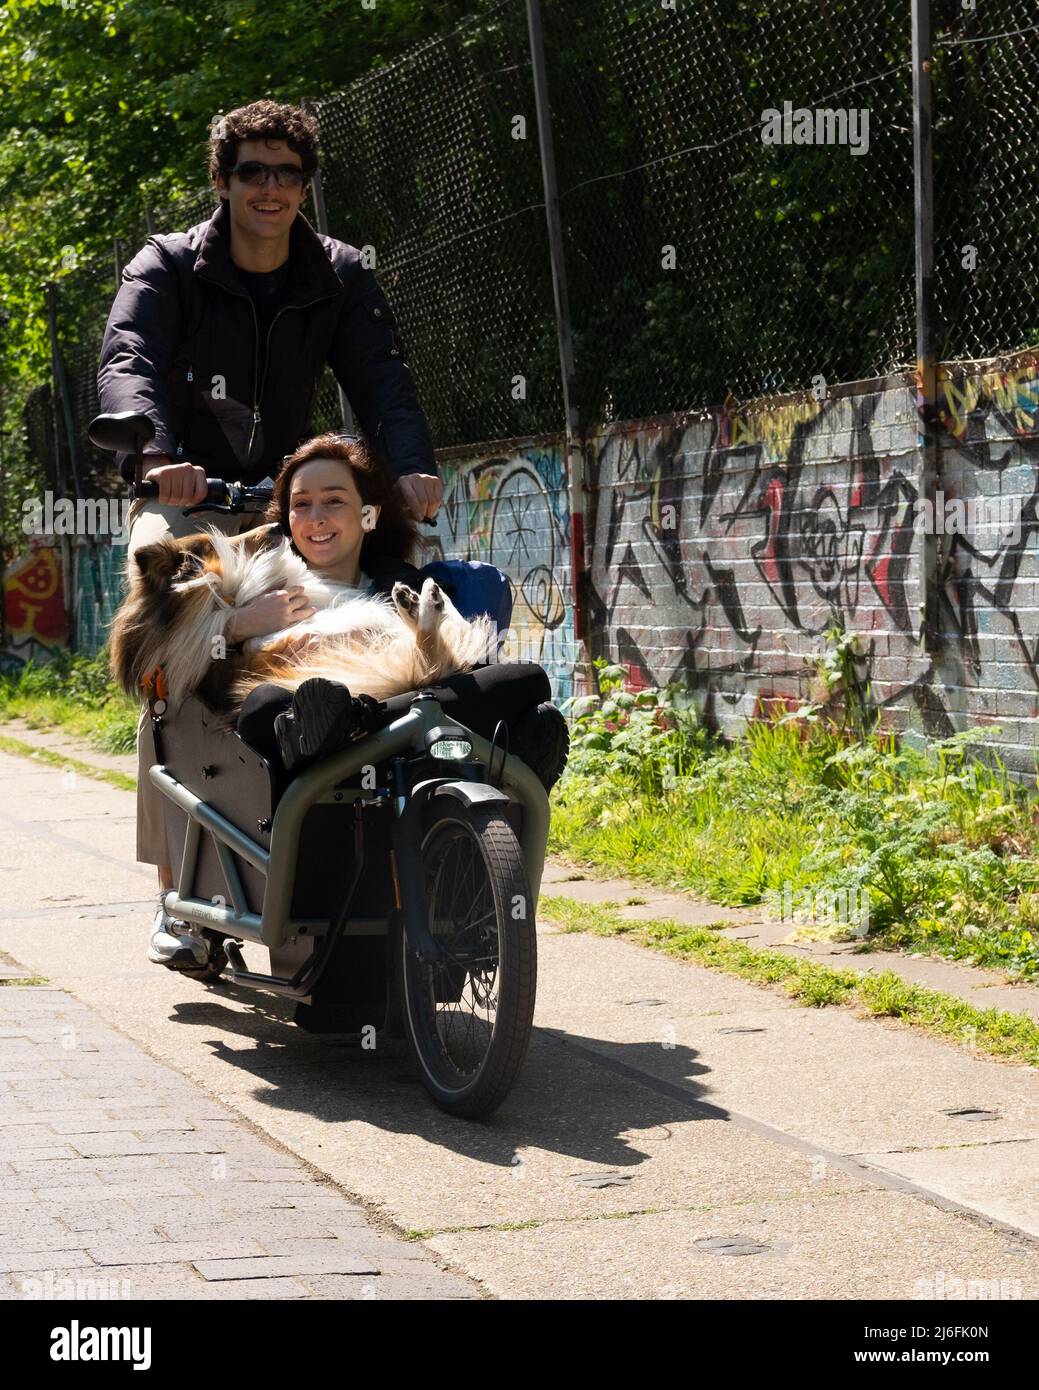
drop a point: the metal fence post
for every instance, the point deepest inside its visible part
(60, 404)
(926, 367)
(70, 553)
(321, 221)
(574, 441)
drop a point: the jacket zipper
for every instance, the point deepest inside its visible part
(266, 364)
(258, 395)
(256, 373)
(191, 378)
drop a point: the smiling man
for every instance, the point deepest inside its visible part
(220, 335)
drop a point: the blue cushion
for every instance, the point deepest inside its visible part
(474, 588)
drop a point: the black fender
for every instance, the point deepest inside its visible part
(472, 793)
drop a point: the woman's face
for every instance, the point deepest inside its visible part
(326, 515)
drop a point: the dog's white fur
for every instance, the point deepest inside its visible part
(374, 645)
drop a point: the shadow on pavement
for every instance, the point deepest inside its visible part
(563, 1102)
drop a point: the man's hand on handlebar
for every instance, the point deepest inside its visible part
(422, 493)
(186, 485)
(180, 484)
(268, 613)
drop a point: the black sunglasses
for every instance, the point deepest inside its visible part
(253, 171)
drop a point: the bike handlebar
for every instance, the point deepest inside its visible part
(222, 496)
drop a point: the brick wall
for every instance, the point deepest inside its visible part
(507, 504)
(722, 549)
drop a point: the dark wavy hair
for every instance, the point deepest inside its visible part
(262, 120)
(389, 545)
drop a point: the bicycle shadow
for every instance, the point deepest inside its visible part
(584, 1097)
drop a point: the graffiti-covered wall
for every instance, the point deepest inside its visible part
(34, 608)
(509, 508)
(100, 585)
(723, 549)
(988, 669)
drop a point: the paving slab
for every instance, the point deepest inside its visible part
(58, 741)
(826, 1072)
(44, 1238)
(987, 989)
(1002, 1179)
(834, 1248)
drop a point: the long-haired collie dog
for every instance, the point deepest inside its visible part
(181, 591)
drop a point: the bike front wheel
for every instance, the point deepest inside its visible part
(468, 1016)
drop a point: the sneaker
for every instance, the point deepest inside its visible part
(542, 739)
(324, 718)
(173, 944)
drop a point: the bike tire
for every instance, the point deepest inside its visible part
(473, 868)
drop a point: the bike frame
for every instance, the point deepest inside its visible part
(274, 925)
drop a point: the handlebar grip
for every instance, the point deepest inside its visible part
(217, 489)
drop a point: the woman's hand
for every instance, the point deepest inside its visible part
(269, 613)
(302, 645)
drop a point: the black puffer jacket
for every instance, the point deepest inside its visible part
(182, 347)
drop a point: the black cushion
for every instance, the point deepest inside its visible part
(477, 699)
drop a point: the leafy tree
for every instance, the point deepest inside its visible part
(106, 107)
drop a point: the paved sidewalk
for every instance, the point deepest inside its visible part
(676, 1132)
(986, 989)
(122, 1179)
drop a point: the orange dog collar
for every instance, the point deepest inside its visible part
(154, 685)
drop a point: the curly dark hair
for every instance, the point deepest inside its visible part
(386, 548)
(262, 120)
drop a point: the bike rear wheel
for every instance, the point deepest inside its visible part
(468, 1017)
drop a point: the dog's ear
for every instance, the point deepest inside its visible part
(155, 565)
(260, 538)
(163, 561)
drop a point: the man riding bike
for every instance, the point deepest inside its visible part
(220, 335)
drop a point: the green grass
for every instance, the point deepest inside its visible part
(76, 694)
(1013, 1037)
(938, 843)
(122, 780)
(109, 729)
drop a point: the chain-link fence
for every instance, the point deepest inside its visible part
(707, 258)
(434, 164)
(737, 205)
(986, 178)
(709, 255)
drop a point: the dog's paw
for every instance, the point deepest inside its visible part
(431, 610)
(433, 598)
(406, 602)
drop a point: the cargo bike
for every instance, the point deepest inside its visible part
(394, 884)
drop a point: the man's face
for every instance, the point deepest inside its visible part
(263, 210)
